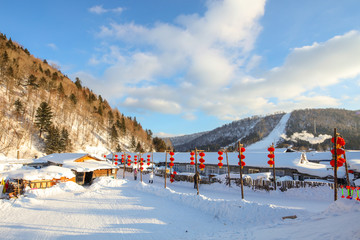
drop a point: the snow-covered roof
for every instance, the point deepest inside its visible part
(68, 161)
(46, 173)
(352, 157)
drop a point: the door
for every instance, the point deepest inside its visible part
(88, 177)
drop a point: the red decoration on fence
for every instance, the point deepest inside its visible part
(202, 160)
(220, 158)
(271, 155)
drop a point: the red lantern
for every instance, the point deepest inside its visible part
(220, 164)
(220, 153)
(104, 156)
(116, 156)
(242, 149)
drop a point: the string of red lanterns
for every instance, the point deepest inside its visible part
(271, 155)
(340, 143)
(171, 164)
(242, 156)
(122, 159)
(192, 159)
(148, 160)
(129, 160)
(135, 160)
(116, 160)
(202, 160)
(172, 176)
(141, 164)
(220, 158)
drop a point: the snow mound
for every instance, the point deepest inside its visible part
(239, 211)
(343, 206)
(106, 182)
(57, 189)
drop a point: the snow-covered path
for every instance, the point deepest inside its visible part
(127, 209)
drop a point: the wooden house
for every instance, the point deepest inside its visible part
(84, 166)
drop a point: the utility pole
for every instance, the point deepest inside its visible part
(335, 164)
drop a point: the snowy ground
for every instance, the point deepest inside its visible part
(128, 209)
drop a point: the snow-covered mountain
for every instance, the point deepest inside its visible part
(301, 129)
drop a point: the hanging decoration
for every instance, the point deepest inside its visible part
(116, 160)
(135, 159)
(342, 191)
(122, 159)
(340, 143)
(148, 160)
(141, 164)
(271, 155)
(192, 158)
(242, 156)
(129, 160)
(349, 195)
(202, 160)
(172, 176)
(171, 164)
(357, 190)
(220, 158)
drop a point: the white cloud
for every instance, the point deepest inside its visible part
(203, 63)
(52, 46)
(98, 9)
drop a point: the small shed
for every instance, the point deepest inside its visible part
(85, 167)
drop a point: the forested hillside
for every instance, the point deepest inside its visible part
(43, 111)
(306, 129)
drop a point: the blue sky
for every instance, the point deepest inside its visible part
(185, 66)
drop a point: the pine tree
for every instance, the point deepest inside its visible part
(43, 117)
(78, 83)
(65, 142)
(114, 137)
(133, 142)
(159, 144)
(139, 148)
(52, 141)
(118, 148)
(19, 108)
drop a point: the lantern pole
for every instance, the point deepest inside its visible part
(141, 166)
(335, 164)
(274, 168)
(228, 166)
(152, 160)
(346, 169)
(166, 152)
(241, 180)
(196, 172)
(125, 155)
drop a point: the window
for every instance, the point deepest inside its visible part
(190, 168)
(253, 170)
(279, 172)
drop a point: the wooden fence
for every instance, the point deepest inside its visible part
(283, 185)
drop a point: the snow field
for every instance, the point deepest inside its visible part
(128, 209)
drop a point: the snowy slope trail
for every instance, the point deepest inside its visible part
(128, 209)
(273, 137)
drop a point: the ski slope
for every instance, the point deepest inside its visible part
(128, 209)
(273, 137)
